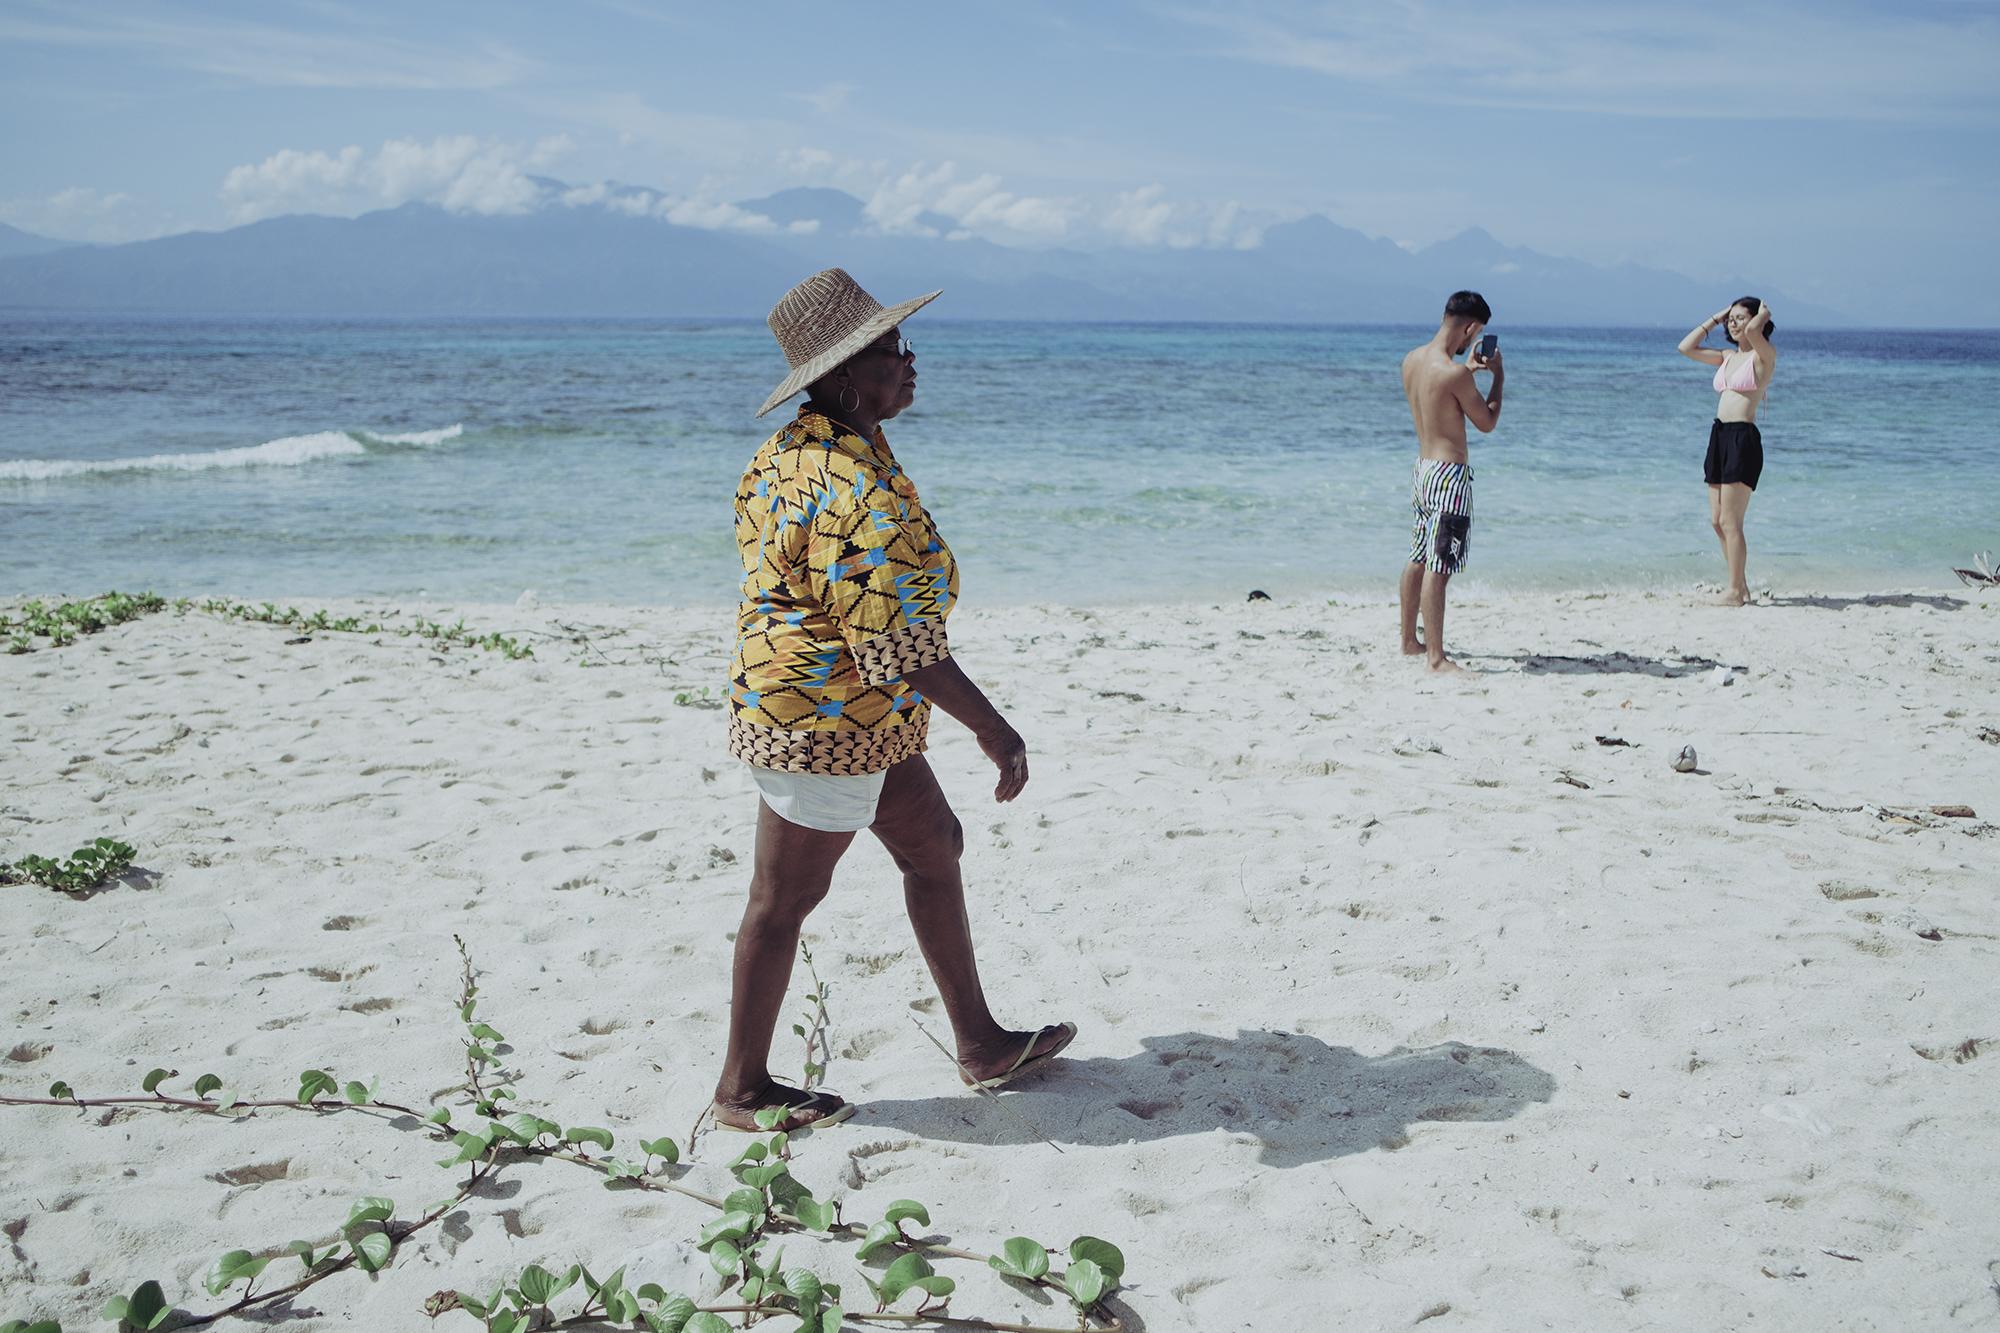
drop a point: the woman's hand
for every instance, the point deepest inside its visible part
(1721, 316)
(1009, 753)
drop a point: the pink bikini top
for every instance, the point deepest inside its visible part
(1744, 378)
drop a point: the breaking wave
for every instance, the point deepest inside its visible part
(291, 451)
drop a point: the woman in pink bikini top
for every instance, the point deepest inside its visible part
(1735, 447)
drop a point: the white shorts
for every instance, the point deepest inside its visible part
(829, 802)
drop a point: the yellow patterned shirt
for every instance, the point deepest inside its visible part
(846, 587)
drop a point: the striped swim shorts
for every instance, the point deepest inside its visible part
(1441, 496)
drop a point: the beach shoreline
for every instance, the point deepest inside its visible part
(1396, 993)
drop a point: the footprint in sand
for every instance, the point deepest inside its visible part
(1798, 1117)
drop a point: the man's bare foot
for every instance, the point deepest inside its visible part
(806, 1108)
(1413, 648)
(1444, 666)
(1013, 1054)
(1735, 597)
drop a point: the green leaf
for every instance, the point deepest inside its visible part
(1100, 1252)
(304, 1250)
(732, 1225)
(145, 1308)
(370, 1208)
(621, 1307)
(804, 1284)
(60, 1089)
(882, 1233)
(1086, 1282)
(569, 1278)
(617, 1170)
(485, 1033)
(935, 1285)
(470, 1146)
(704, 1322)
(814, 1214)
(831, 1321)
(756, 1152)
(530, 1127)
(507, 1321)
(673, 1314)
(744, 1201)
(587, 1134)
(357, 1094)
(235, 1266)
(900, 1276)
(156, 1077)
(652, 1291)
(725, 1258)
(768, 1116)
(903, 1208)
(471, 1304)
(39, 1326)
(314, 1083)
(537, 1284)
(441, 1116)
(371, 1251)
(1022, 1258)
(206, 1084)
(758, 1177)
(662, 1148)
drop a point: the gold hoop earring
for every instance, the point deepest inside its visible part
(846, 389)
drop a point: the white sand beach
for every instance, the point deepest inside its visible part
(1402, 999)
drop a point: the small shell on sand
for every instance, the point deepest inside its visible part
(1684, 762)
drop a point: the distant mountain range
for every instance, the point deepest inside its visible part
(608, 257)
(14, 241)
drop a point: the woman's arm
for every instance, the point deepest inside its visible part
(945, 685)
(1691, 346)
(1753, 332)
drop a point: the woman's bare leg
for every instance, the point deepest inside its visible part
(915, 823)
(792, 872)
(1731, 503)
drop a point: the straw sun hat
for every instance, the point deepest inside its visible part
(824, 321)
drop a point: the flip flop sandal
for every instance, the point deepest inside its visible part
(791, 1124)
(1028, 1061)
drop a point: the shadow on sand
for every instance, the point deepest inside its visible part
(1606, 664)
(1936, 603)
(1305, 1101)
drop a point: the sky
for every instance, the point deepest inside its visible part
(1842, 153)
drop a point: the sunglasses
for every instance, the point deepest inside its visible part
(899, 348)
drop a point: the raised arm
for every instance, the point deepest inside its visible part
(1753, 332)
(1691, 346)
(1483, 413)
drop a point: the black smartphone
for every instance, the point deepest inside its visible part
(1487, 344)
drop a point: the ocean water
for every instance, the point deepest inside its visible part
(596, 460)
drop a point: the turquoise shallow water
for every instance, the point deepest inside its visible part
(1075, 463)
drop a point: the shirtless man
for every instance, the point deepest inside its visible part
(1443, 397)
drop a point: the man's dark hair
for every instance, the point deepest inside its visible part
(1753, 304)
(1468, 305)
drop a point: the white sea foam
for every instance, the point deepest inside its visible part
(291, 451)
(418, 437)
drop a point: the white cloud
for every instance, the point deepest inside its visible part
(978, 204)
(700, 210)
(459, 172)
(81, 213)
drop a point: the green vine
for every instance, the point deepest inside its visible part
(87, 868)
(740, 1242)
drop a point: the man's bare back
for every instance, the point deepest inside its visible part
(1443, 394)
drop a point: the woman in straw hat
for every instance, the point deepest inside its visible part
(840, 653)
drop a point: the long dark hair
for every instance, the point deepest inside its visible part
(1755, 303)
